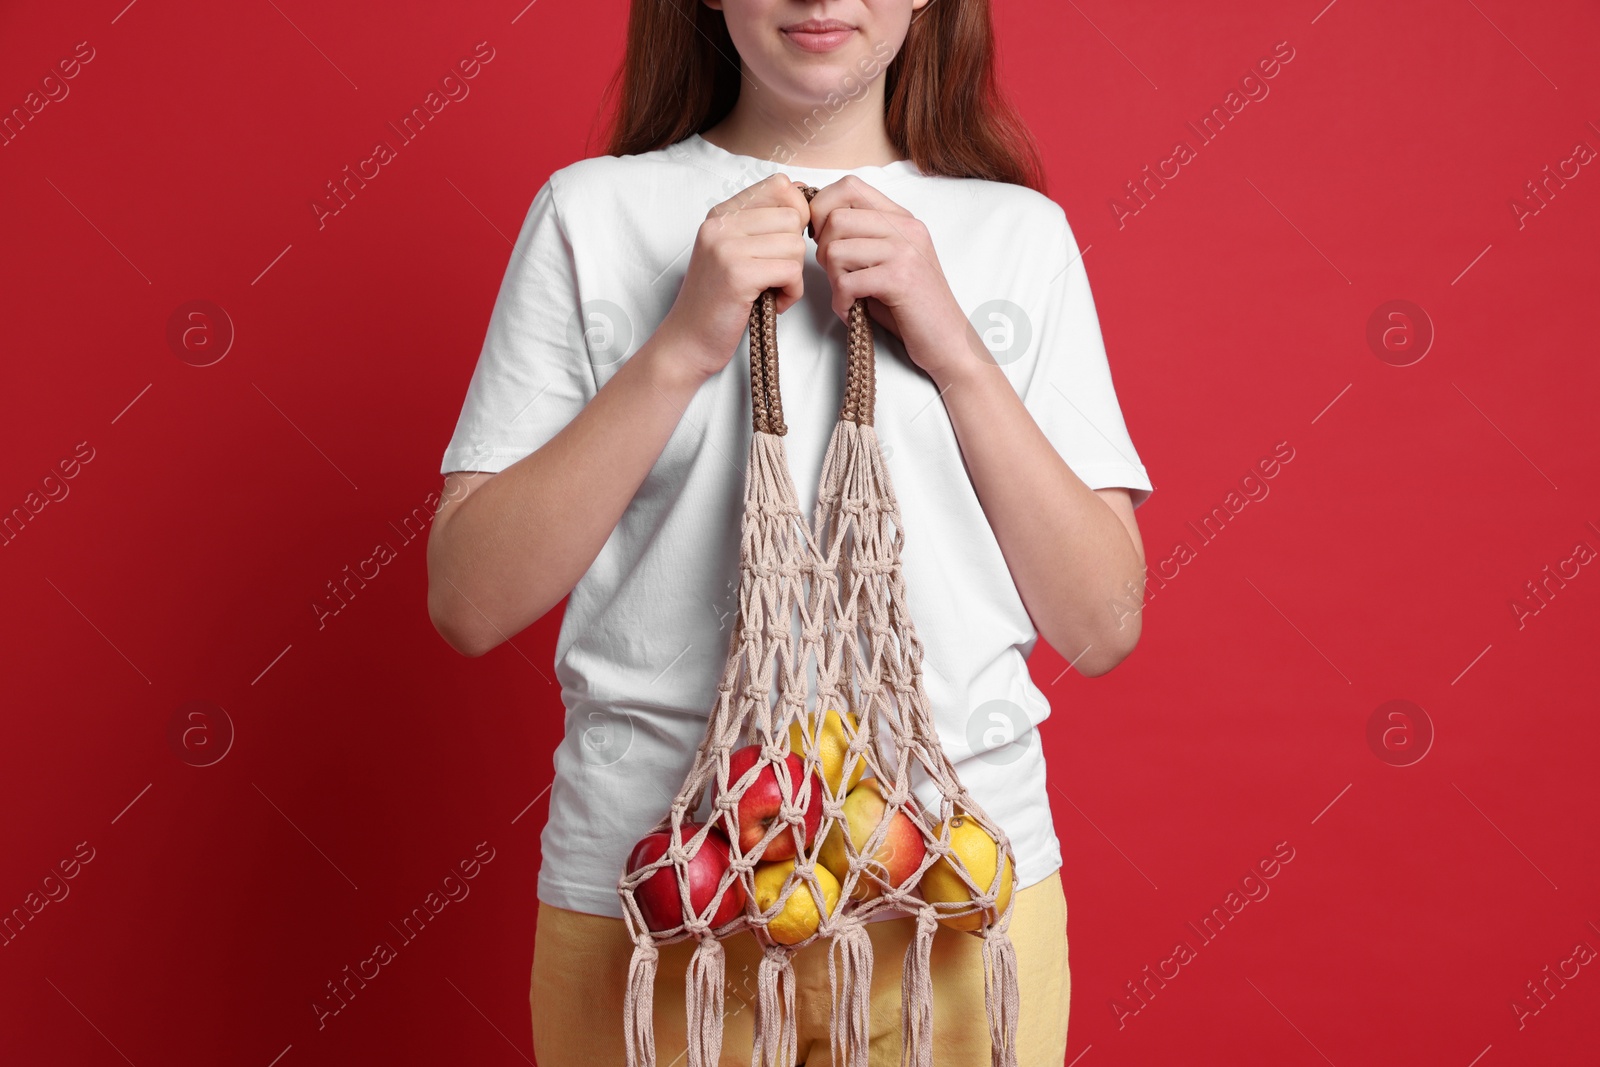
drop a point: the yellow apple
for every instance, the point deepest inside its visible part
(979, 854)
(897, 857)
(833, 746)
(800, 916)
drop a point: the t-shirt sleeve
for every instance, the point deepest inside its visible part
(533, 374)
(1070, 393)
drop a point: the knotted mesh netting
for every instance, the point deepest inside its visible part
(820, 731)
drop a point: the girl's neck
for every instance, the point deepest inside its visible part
(855, 136)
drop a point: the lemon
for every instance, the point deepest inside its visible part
(833, 747)
(979, 854)
(800, 916)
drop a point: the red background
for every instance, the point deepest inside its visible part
(368, 759)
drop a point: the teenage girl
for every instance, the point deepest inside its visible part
(600, 453)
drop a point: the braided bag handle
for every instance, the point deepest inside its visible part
(857, 649)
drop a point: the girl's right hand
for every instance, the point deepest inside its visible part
(749, 243)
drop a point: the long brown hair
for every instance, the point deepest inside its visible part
(943, 108)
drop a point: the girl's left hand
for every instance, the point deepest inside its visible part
(873, 248)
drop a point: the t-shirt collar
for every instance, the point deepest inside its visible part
(697, 149)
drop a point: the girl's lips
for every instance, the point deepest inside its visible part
(814, 41)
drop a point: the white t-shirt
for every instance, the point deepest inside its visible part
(597, 264)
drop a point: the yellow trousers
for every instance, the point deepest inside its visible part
(580, 970)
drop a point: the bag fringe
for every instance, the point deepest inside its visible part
(850, 980)
(638, 1019)
(916, 994)
(704, 996)
(1002, 995)
(776, 1043)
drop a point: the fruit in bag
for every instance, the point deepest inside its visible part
(897, 857)
(800, 916)
(762, 804)
(978, 853)
(833, 747)
(659, 900)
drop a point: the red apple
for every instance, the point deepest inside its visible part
(898, 856)
(658, 897)
(761, 803)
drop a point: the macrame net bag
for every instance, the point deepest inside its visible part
(854, 654)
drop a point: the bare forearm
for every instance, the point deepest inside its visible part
(1068, 552)
(521, 541)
